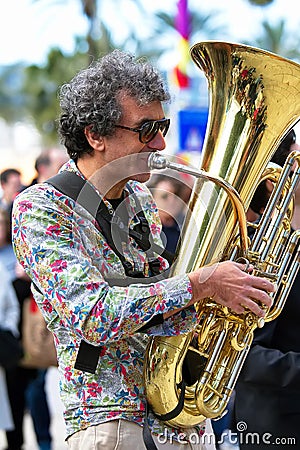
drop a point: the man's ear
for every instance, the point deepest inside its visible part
(94, 139)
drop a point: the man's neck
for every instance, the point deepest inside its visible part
(107, 183)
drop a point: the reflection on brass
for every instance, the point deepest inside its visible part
(254, 102)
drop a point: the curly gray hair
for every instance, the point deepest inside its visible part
(91, 97)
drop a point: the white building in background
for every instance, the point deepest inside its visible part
(20, 144)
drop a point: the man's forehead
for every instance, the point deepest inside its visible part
(134, 111)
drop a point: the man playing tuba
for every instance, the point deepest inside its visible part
(94, 263)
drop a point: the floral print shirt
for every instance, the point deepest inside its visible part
(61, 248)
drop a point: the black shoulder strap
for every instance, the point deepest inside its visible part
(80, 190)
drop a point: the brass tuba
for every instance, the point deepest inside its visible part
(254, 102)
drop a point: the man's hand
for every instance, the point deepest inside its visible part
(230, 285)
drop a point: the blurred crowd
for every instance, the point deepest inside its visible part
(22, 389)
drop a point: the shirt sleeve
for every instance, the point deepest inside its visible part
(182, 322)
(67, 258)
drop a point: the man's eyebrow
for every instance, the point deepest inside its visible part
(148, 119)
(142, 121)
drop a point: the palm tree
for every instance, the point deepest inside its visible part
(277, 39)
(40, 86)
(98, 37)
(40, 83)
(260, 2)
(89, 8)
(201, 26)
(36, 87)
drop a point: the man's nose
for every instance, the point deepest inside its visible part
(158, 142)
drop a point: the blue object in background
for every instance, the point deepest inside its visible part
(191, 129)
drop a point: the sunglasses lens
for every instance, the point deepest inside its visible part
(150, 129)
(164, 126)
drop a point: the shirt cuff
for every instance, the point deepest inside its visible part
(180, 323)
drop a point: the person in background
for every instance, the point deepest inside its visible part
(268, 389)
(9, 320)
(48, 164)
(264, 189)
(22, 383)
(11, 185)
(169, 193)
(7, 255)
(88, 280)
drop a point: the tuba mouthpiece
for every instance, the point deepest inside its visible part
(157, 161)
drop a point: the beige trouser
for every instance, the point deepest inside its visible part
(125, 435)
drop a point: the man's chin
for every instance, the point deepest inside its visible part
(142, 177)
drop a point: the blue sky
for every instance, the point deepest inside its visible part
(28, 28)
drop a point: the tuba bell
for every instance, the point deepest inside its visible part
(254, 102)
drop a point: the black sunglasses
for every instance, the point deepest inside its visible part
(149, 129)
